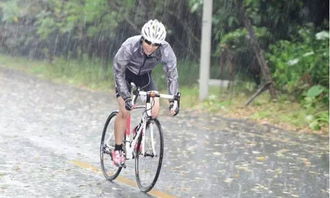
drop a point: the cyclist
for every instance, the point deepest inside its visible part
(134, 62)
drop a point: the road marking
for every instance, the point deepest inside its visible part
(120, 179)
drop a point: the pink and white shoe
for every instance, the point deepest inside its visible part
(118, 157)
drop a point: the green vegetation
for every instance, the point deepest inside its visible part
(283, 112)
(74, 42)
(301, 69)
(88, 73)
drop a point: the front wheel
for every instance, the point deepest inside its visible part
(149, 162)
(110, 171)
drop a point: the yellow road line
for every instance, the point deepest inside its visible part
(120, 179)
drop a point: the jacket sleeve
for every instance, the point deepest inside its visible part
(120, 62)
(170, 68)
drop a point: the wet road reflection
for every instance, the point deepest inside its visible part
(50, 137)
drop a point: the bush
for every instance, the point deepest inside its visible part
(301, 68)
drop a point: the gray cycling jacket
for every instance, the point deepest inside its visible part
(131, 56)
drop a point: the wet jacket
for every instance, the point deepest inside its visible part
(131, 56)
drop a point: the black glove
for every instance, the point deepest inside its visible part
(128, 104)
(174, 107)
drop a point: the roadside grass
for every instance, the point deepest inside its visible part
(91, 74)
(282, 112)
(94, 75)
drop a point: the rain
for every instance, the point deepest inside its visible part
(57, 89)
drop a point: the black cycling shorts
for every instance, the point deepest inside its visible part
(144, 81)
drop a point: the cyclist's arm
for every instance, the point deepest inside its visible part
(120, 62)
(170, 68)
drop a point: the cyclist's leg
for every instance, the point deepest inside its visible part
(123, 114)
(118, 154)
(121, 121)
(147, 84)
(155, 108)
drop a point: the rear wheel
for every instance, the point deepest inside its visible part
(110, 171)
(148, 164)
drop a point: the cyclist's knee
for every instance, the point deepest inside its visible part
(124, 114)
(155, 109)
(154, 115)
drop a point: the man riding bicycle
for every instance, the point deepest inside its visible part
(134, 62)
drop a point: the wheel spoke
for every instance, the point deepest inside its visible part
(148, 164)
(110, 171)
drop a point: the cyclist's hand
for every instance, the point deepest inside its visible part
(128, 104)
(174, 108)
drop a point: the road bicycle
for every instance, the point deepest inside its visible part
(144, 142)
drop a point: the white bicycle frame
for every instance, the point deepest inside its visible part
(131, 143)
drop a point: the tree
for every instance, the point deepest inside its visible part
(258, 51)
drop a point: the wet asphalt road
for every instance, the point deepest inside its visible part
(49, 147)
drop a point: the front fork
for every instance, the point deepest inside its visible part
(150, 141)
(132, 144)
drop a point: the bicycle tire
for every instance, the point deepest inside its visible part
(110, 171)
(148, 165)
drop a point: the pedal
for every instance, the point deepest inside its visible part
(106, 150)
(149, 155)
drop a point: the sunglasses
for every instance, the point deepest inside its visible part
(153, 44)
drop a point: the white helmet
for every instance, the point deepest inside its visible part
(154, 31)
